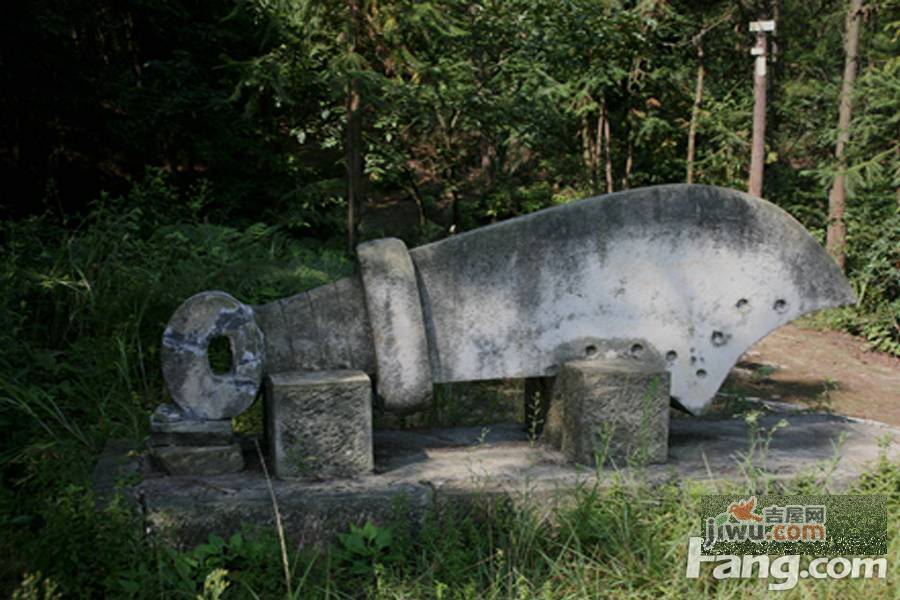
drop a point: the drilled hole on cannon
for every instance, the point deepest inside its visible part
(221, 360)
(637, 350)
(590, 350)
(780, 305)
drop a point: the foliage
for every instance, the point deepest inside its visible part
(83, 305)
(365, 548)
(624, 537)
(472, 112)
(151, 150)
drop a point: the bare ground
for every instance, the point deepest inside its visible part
(820, 370)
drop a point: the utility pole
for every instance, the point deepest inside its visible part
(758, 152)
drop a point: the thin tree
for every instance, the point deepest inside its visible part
(607, 148)
(695, 111)
(354, 156)
(836, 237)
(697, 40)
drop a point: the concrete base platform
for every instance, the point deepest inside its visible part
(416, 469)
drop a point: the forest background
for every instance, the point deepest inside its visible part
(156, 148)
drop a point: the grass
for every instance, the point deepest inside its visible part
(624, 536)
(621, 538)
(82, 308)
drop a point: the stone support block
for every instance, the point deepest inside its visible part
(319, 424)
(615, 412)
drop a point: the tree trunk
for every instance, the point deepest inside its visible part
(695, 114)
(354, 154)
(758, 151)
(133, 50)
(598, 150)
(454, 211)
(486, 149)
(608, 150)
(413, 190)
(837, 231)
(629, 163)
(354, 161)
(588, 154)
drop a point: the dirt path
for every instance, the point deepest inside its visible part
(820, 369)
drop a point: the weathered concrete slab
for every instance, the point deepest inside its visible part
(319, 424)
(191, 433)
(425, 467)
(199, 460)
(118, 467)
(614, 411)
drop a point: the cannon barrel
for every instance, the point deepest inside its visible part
(694, 274)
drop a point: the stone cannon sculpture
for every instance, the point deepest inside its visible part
(681, 279)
